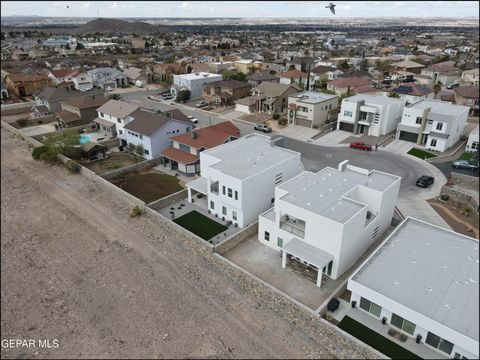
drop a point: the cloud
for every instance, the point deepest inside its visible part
(86, 5)
(185, 5)
(114, 5)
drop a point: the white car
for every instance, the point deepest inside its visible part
(193, 119)
(109, 88)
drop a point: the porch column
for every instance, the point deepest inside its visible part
(284, 259)
(319, 278)
(189, 194)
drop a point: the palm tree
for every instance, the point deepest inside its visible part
(437, 88)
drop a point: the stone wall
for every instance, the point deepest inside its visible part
(134, 167)
(168, 200)
(234, 240)
(11, 109)
(460, 197)
(466, 181)
(21, 134)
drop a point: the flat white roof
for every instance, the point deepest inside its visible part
(249, 155)
(312, 97)
(309, 253)
(323, 192)
(438, 106)
(374, 99)
(198, 75)
(430, 270)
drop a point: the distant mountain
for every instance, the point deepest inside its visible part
(117, 26)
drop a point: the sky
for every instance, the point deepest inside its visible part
(243, 9)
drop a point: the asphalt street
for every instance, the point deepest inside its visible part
(446, 168)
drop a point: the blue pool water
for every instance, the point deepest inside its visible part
(85, 138)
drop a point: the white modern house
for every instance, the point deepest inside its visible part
(113, 116)
(472, 142)
(239, 177)
(370, 115)
(423, 282)
(326, 220)
(433, 123)
(152, 132)
(193, 82)
(310, 109)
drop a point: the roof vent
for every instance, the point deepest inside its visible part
(448, 306)
(459, 282)
(396, 282)
(428, 288)
(444, 266)
(308, 204)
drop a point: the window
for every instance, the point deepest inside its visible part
(328, 269)
(230, 193)
(223, 190)
(347, 113)
(278, 178)
(120, 131)
(224, 210)
(439, 126)
(474, 145)
(370, 307)
(330, 107)
(236, 195)
(267, 236)
(146, 152)
(101, 115)
(438, 343)
(433, 142)
(141, 137)
(402, 324)
(280, 242)
(212, 205)
(119, 121)
(234, 215)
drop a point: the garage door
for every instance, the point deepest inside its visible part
(303, 122)
(346, 127)
(408, 136)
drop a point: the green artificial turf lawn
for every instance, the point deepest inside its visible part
(200, 225)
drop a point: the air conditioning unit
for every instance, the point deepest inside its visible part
(418, 339)
(369, 214)
(384, 320)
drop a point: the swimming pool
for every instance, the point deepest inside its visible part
(85, 138)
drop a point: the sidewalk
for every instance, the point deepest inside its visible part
(333, 138)
(421, 210)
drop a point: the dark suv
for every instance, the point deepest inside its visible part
(425, 181)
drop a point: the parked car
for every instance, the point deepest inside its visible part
(425, 181)
(167, 96)
(201, 104)
(263, 127)
(361, 146)
(464, 164)
(109, 88)
(193, 119)
(452, 86)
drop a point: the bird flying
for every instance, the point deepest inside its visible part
(331, 6)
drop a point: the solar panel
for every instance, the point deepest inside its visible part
(403, 90)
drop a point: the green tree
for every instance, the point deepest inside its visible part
(114, 96)
(232, 75)
(321, 83)
(139, 149)
(437, 88)
(183, 96)
(393, 95)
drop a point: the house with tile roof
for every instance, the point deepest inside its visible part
(184, 153)
(25, 84)
(225, 92)
(343, 85)
(294, 77)
(79, 110)
(268, 97)
(468, 96)
(412, 92)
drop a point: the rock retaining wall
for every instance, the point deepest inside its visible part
(134, 167)
(168, 200)
(234, 240)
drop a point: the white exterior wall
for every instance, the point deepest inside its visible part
(317, 113)
(242, 108)
(462, 344)
(83, 82)
(118, 124)
(145, 141)
(254, 193)
(472, 139)
(195, 85)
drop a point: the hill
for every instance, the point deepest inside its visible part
(117, 26)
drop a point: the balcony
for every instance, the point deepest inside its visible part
(293, 226)
(214, 186)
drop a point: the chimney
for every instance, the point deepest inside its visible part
(194, 134)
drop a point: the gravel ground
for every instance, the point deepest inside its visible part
(75, 267)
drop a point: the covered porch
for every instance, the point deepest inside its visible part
(312, 256)
(185, 163)
(199, 186)
(106, 127)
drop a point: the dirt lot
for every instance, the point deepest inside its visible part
(75, 267)
(113, 162)
(456, 217)
(149, 185)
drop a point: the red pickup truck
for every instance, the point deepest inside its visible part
(361, 146)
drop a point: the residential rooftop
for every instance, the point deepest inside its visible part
(312, 97)
(377, 100)
(430, 270)
(198, 75)
(249, 155)
(438, 106)
(325, 192)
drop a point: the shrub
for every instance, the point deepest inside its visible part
(139, 150)
(22, 122)
(72, 152)
(444, 197)
(72, 167)
(49, 156)
(468, 210)
(39, 151)
(276, 116)
(282, 122)
(136, 211)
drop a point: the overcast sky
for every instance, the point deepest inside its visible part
(199, 9)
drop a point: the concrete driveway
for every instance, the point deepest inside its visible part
(333, 138)
(301, 133)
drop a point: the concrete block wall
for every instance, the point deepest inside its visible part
(168, 200)
(134, 167)
(236, 239)
(466, 181)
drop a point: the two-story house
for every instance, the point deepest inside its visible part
(471, 76)
(311, 109)
(239, 177)
(370, 115)
(468, 96)
(412, 92)
(184, 153)
(435, 124)
(113, 116)
(152, 131)
(268, 97)
(225, 92)
(107, 77)
(294, 77)
(344, 85)
(25, 84)
(260, 76)
(79, 110)
(329, 218)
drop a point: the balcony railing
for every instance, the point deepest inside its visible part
(295, 230)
